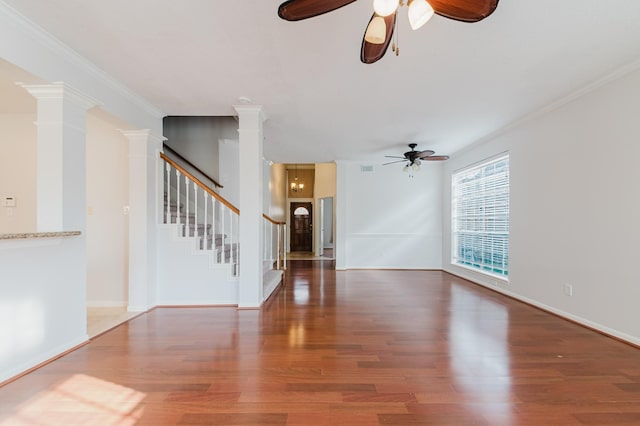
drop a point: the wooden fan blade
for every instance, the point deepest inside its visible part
(296, 10)
(464, 10)
(436, 158)
(393, 162)
(425, 153)
(370, 53)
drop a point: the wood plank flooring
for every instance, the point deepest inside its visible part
(345, 348)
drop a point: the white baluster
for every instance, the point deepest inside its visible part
(178, 197)
(167, 167)
(231, 236)
(222, 207)
(196, 231)
(187, 228)
(214, 226)
(284, 245)
(206, 235)
(236, 238)
(278, 246)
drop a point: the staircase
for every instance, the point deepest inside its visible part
(205, 239)
(198, 252)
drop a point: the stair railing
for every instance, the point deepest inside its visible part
(201, 213)
(275, 233)
(189, 165)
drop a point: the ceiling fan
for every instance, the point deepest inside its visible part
(380, 29)
(414, 158)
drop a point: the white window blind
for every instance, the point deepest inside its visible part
(480, 217)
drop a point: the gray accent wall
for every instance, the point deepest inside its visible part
(196, 138)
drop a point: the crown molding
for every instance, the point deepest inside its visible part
(558, 103)
(60, 49)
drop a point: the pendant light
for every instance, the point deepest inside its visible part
(295, 185)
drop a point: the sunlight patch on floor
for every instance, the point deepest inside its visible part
(81, 396)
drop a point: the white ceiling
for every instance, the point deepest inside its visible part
(453, 83)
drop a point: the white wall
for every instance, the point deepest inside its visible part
(187, 276)
(574, 208)
(42, 308)
(107, 225)
(18, 172)
(387, 219)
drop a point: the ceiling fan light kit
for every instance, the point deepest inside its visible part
(376, 31)
(380, 29)
(385, 7)
(420, 11)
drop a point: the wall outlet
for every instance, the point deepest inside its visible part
(125, 209)
(568, 290)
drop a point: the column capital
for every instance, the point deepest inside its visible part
(257, 110)
(142, 142)
(60, 90)
(142, 134)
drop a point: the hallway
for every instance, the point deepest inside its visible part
(349, 347)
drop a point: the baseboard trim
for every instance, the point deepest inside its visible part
(583, 322)
(223, 305)
(101, 304)
(45, 362)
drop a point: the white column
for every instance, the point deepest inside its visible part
(251, 118)
(61, 157)
(340, 207)
(144, 174)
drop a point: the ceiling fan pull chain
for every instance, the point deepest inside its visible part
(397, 43)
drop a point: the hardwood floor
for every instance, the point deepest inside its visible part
(355, 347)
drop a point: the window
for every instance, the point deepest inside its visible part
(301, 211)
(480, 217)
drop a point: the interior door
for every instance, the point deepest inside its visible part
(301, 227)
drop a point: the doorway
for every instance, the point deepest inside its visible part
(324, 218)
(301, 227)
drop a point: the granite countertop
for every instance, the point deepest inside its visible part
(39, 235)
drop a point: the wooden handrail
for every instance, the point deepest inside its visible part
(168, 148)
(275, 222)
(200, 184)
